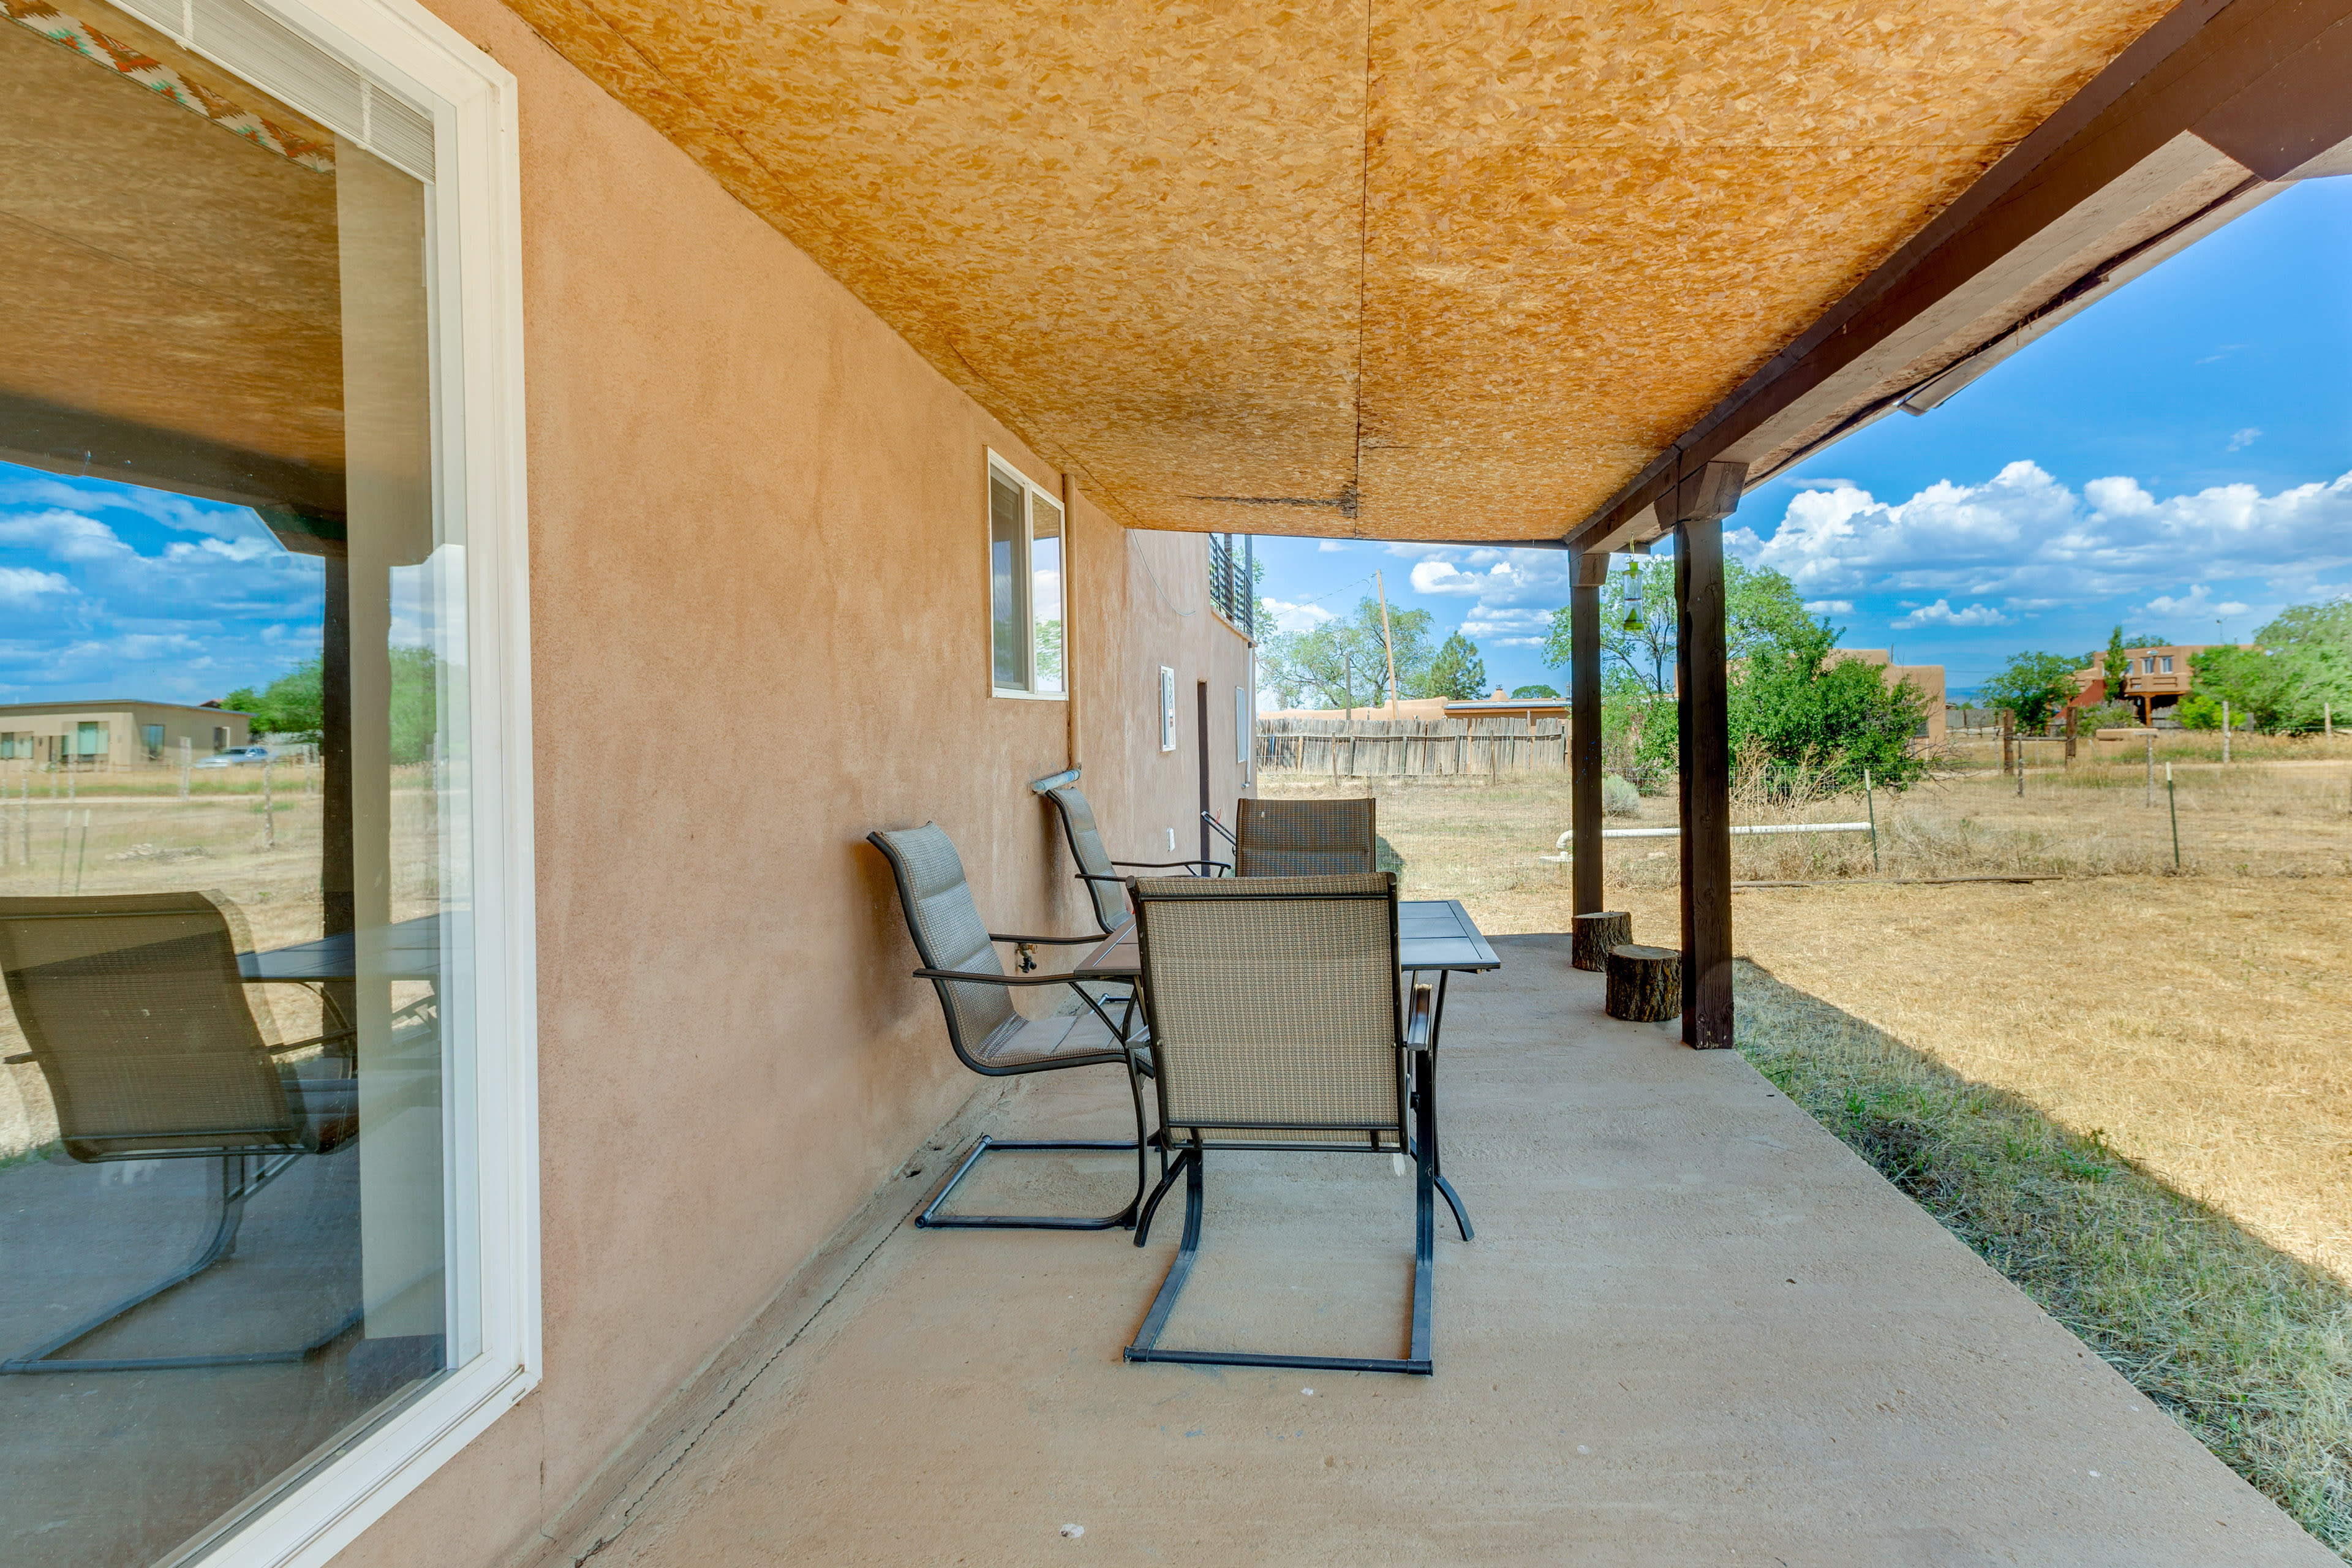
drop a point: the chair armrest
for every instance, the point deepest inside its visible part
(313, 1040)
(1044, 941)
(983, 978)
(1420, 1017)
(1169, 864)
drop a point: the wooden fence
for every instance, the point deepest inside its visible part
(1411, 748)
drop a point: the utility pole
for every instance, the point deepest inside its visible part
(1378, 588)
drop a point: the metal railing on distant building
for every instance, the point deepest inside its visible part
(1232, 579)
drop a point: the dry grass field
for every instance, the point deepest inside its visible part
(2122, 1082)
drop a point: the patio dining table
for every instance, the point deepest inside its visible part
(1434, 936)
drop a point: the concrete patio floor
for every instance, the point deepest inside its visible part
(1693, 1329)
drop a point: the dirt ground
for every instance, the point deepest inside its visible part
(2200, 1020)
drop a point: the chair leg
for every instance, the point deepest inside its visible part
(932, 1219)
(236, 1191)
(1167, 1176)
(1147, 1338)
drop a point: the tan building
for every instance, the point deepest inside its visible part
(2155, 678)
(1926, 679)
(116, 732)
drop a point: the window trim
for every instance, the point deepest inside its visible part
(998, 465)
(1167, 709)
(476, 213)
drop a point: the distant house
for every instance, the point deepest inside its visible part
(1926, 679)
(116, 732)
(1502, 705)
(2154, 678)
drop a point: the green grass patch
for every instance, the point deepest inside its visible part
(2249, 1349)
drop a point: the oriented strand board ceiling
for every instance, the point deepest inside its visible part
(1454, 270)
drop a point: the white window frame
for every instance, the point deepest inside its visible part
(1031, 493)
(1167, 709)
(474, 219)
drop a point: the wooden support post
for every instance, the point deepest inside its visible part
(1585, 728)
(2073, 728)
(1702, 500)
(2008, 741)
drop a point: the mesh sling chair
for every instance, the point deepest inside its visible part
(141, 1023)
(958, 955)
(1276, 1023)
(1105, 883)
(1304, 837)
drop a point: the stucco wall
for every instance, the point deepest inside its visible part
(758, 522)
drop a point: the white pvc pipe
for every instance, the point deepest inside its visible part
(1737, 832)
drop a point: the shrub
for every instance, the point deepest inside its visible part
(1619, 798)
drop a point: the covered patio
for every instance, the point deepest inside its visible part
(1693, 1328)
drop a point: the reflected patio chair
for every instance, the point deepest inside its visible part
(1305, 838)
(1278, 1024)
(1105, 883)
(140, 1021)
(988, 1036)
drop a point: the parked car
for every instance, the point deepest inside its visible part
(237, 757)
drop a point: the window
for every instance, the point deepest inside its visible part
(1242, 730)
(154, 736)
(1026, 647)
(263, 263)
(2167, 664)
(1167, 709)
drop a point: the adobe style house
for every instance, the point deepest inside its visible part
(850, 393)
(116, 732)
(2155, 678)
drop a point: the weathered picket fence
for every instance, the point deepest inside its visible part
(1411, 748)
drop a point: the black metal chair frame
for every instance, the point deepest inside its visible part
(1131, 1055)
(239, 1184)
(1415, 1042)
(1070, 836)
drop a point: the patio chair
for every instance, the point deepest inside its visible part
(1304, 837)
(988, 1036)
(141, 1023)
(1278, 1024)
(1105, 883)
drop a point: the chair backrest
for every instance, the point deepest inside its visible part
(948, 934)
(1273, 1008)
(1304, 837)
(1108, 894)
(134, 1010)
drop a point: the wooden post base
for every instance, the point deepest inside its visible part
(1597, 932)
(1646, 983)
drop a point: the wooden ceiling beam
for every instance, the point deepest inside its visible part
(2218, 106)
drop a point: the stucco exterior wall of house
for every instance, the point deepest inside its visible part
(758, 519)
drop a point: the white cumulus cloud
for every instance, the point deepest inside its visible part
(1941, 614)
(20, 585)
(1290, 617)
(2023, 537)
(1829, 606)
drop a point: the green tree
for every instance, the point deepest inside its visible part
(417, 678)
(1793, 705)
(2112, 670)
(293, 705)
(1761, 609)
(1345, 663)
(2300, 665)
(1535, 692)
(1456, 671)
(2032, 685)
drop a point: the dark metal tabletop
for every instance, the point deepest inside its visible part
(1432, 934)
(412, 951)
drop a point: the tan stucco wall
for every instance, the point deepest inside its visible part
(752, 506)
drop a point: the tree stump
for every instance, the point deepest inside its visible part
(1646, 983)
(1596, 933)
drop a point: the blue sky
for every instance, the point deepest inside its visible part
(108, 590)
(2178, 455)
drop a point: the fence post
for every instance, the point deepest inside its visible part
(2007, 739)
(2172, 803)
(187, 761)
(2073, 728)
(1870, 804)
(2225, 728)
(2151, 768)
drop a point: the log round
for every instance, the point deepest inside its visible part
(1646, 983)
(1596, 933)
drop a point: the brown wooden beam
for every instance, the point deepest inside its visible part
(2201, 118)
(1702, 714)
(1585, 730)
